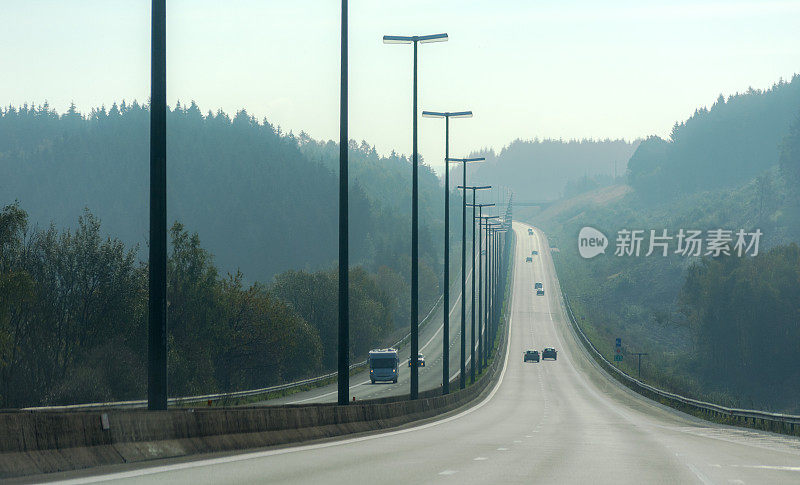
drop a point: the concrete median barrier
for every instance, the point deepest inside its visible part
(37, 442)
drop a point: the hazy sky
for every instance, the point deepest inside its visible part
(560, 69)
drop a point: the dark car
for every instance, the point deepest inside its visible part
(528, 259)
(538, 285)
(531, 355)
(549, 353)
(420, 361)
(534, 252)
(540, 292)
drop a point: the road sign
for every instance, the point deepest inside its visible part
(618, 358)
(619, 342)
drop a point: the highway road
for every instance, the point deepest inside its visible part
(430, 343)
(562, 421)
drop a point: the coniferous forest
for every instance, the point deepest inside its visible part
(720, 327)
(254, 226)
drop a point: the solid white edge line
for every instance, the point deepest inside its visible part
(404, 362)
(283, 451)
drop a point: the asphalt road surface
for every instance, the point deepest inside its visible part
(430, 345)
(561, 421)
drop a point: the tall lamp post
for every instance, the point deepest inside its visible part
(482, 221)
(494, 227)
(484, 334)
(472, 313)
(415, 39)
(490, 298)
(502, 233)
(343, 376)
(446, 295)
(463, 374)
(639, 355)
(157, 298)
(488, 289)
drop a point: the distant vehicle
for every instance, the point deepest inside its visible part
(549, 353)
(528, 259)
(530, 232)
(534, 252)
(540, 292)
(531, 355)
(383, 365)
(420, 361)
(538, 285)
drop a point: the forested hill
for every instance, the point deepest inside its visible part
(702, 319)
(540, 169)
(722, 146)
(261, 200)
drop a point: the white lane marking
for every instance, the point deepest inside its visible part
(770, 467)
(691, 467)
(528, 436)
(480, 458)
(326, 394)
(405, 362)
(726, 434)
(517, 441)
(699, 475)
(284, 451)
(502, 449)
(448, 472)
(453, 308)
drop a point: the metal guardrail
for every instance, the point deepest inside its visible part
(177, 401)
(784, 423)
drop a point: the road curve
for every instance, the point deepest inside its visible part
(560, 421)
(430, 343)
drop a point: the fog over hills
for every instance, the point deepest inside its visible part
(541, 169)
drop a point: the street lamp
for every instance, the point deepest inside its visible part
(157, 275)
(639, 355)
(482, 226)
(343, 376)
(462, 376)
(415, 39)
(490, 281)
(502, 266)
(480, 284)
(463, 295)
(491, 293)
(446, 326)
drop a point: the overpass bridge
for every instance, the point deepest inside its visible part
(535, 203)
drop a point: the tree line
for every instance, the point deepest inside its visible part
(543, 170)
(262, 200)
(718, 147)
(744, 315)
(263, 203)
(73, 317)
(722, 329)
